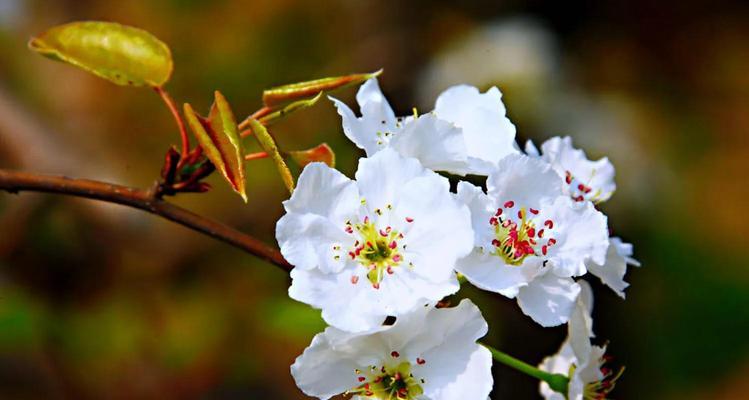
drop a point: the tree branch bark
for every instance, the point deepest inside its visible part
(16, 181)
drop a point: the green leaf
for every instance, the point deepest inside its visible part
(288, 109)
(269, 146)
(121, 54)
(319, 153)
(219, 138)
(280, 95)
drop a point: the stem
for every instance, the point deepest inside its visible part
(557, 382)
(256, 156)
(256, 115)
(175, 113)
(146, 200)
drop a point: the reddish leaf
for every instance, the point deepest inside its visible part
(219, 138)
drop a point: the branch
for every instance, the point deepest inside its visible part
(14, 182)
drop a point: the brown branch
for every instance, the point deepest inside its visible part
(15, 181)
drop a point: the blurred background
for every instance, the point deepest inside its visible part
(99, 301)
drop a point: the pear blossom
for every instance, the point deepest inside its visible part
(375, 247)
(530, 240)
(581, 361)
(467, 133)
(428, 353)
(585, 180)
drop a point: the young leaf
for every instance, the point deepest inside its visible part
(269, 146)
(321, 153)
(288, 109)
(280, 95)
(219, 138)
(121, 54)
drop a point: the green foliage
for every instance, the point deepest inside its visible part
(121, 54)
(277, 96)
(219, 138)
(269, 146)
(288, 109)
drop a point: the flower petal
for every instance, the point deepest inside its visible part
(437, 144)
(549, 299)
(322, 372)
(475, 382)
(383, 176)
(307, 241)
(581, 234)
(377, 117)
(324, 191)
(489, 134)
(524, 180)
(613, 270)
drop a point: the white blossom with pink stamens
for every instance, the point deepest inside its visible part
(530, 241)
(375, 247)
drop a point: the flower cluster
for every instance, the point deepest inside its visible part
(377, 253)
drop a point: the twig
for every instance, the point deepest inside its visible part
(15, 181)
(177, 118)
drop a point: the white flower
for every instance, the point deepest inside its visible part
(429, 353)
(582, 362)
(584, 179)
(530, 240)
(467, 132)
(592, 181)
(375, 247)
(613, 270)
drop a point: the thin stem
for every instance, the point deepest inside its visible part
(175, 113)
(256, 156)
(557, 382)
(256, 115)
(146, 200)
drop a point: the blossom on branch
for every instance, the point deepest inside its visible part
(375, 247)
(530, 241)
(467, 133)
(429, 353)
(583, 363)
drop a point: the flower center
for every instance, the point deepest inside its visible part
(388, 382)
(580, 191)
(378, 250)
(516, 235)
(599, 390)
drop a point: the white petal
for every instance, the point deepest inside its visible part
(368, 132)
(481, 208)
(437, 144)
(489, 272)
(323, 372)
(557, 364)
(489, 135)
(530, 149)
(580, 326)
(581, 234)
(613, 270)
(360, 307)
(549, 299)
(324, 191)
(441, 231)
(590, 370)
(524, 180)
(447, 344)
(475, 382)
(383, 176)
(307, 241)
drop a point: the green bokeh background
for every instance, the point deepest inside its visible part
(98, 301)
